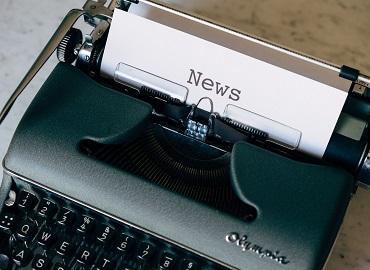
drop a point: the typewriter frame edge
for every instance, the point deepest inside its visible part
(233, 224)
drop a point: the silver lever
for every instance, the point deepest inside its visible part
(50, 47)
(92, 9)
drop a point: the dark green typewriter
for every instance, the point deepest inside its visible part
(123, 172)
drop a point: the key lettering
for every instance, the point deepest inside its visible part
(85, 255)
(64, 217)
(104, 235)
(40, 263)
(45, 236)
(64, 246)
(105, 262)
(25, 229)
(20, 254)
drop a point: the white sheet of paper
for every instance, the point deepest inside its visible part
(206, 69)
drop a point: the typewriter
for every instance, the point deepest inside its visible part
(112, 173)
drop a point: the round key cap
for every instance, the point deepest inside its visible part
(60, 266)
(188, 264)
(27, 201)
(167, 261)
(66, 217)
(26, 228)
(105, 263)
(47, 208)
(41, 263)
(4, 262)
(22, 255)
(85, 224)
(86, 256)
(64, 247)
(46, 236)
(7, 220)
(104, 233)
(145, 251)
(124, 242)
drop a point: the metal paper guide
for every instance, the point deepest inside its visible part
(176, 56)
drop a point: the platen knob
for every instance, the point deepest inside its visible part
(66, 48)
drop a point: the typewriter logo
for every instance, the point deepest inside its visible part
(246, 245)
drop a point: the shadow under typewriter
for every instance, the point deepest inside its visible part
(181, 164)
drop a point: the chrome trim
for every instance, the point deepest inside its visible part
(91, 10)
(364, 79)
(50, 47)
(138, 78)
(363, 175)
(125, 222)
(278, 133)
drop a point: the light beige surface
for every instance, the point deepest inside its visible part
(337, 31)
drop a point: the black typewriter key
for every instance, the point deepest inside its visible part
(64, 247)
(85, 224)
(47, 208)
(188, 264)
(27, 201)
(4, 242)
(66, 217)
(130, 265)
(60, 266)
(45, 236)
(124, 243)
(104, 233)
(145, 251)
(7, 220)
(167, 261)
(40, 262)
(4, 262)
(105, 263)
(85, 256)
(209, 267)
(26, 228)
(22, 255)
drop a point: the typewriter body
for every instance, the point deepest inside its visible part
(103, 176)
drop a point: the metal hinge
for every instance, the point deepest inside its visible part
(131, 1)
(361, 87)
(361, 83)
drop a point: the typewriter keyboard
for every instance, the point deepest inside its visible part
(41, 230)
